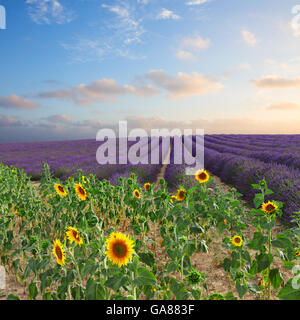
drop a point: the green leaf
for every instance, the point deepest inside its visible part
(94, 291)
(258, 241)
(264, 261)
(290, 291)
(145, 277)
(276, 279)
(117, 281)
(268, 191)
(196, 293)
(172, 266)
(230, 296)
(33, 291)
(226, 264)
(91, 289)
(147, 258)
(241, 289)
(258, 200)
(12, 297)
(77, 293)
(282, 241)
(179, 290)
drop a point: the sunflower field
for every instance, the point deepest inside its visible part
(85, 238)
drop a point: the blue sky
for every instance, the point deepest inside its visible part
(70, 68)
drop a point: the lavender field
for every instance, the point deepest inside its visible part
(65, 158)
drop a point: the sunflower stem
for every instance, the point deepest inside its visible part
(269, 268)
(133, 286)
(77, 269)
(181, 271)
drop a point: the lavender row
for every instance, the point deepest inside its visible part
(284, 144)
(289, 158)
(241, 172)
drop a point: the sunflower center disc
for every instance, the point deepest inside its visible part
(120, 250)
(202, 176)
(58, 253)
(75, 235)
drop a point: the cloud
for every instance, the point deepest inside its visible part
(15, 102)
(87, 50)
(295, 30)
(273, 82)
(46, 11)
(104, 90)
(183, 84)
(59, 118)
(114, 37)
(129, 28)
(9, 121)
(196, 43)
(283, 106)
(184, 55)
(249, 38)
(295, 23)
(196, 2)
(167, 14)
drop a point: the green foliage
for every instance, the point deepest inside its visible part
(166, 236)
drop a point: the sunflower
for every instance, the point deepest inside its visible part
(60, 190)
(80, 191)
(297, 253)
(269, 207)
(147, 186)
(237, 241)
(202, 176)
(173, 198)
(119, 248)
(73, 235)
(83, 179)
(181, 194)
(137, 194)
(59, 252)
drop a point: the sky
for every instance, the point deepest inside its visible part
(70, 68)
